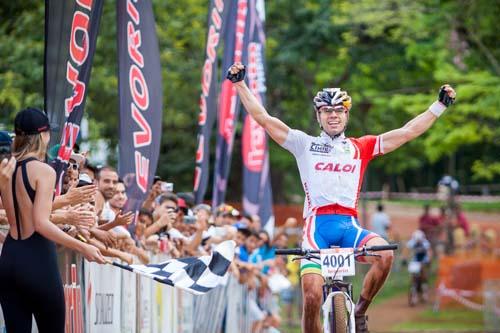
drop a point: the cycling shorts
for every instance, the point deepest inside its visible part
(325, 231)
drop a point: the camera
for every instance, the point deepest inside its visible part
(167, 187)
(5, 151)
(5, 145)
(189, 219)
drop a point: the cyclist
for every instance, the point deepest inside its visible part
(331, 168)
(420, 249)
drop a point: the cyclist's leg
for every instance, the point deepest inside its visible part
(376, 275)
(311, 278)
(355, 236)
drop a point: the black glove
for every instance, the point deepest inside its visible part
(444, 98)
(240, 76)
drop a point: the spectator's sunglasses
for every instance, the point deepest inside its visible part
(73, 166)
(175, 209)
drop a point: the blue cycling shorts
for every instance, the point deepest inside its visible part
(325, 231)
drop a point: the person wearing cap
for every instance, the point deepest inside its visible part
(153, 193)
(7, 163)
(29, 274)
(7, 166)
(72, 194)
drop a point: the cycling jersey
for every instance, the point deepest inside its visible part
(331, 170)
(420, 249)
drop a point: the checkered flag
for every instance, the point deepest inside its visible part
(196, 275)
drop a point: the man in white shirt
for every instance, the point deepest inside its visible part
(380, 222)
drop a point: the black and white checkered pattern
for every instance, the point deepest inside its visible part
(196, 275)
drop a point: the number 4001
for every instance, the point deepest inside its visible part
(336, 261)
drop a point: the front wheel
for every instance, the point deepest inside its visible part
(413, 292)
(339, 317)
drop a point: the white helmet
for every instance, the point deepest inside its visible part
(418, 235)
(332, 97)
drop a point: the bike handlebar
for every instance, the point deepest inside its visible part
(297, 252)
(304, 252)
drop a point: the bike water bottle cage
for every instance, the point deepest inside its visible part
(240, 76)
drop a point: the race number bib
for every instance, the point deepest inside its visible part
(337, 262)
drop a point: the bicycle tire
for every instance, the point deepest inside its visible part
(412, 294)
(341, 316)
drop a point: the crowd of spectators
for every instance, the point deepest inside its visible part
(92, 205)
(451, 229)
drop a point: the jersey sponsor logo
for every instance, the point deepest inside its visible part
(324, 148)
(346, 147)
(335, 167)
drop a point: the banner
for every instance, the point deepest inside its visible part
(257, 195)
(71, 29)
(208, 98)
(103, 296)
(140, 91)
(235, 41)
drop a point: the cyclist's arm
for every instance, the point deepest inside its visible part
(421, 123)
(411, 130)
(276, 129)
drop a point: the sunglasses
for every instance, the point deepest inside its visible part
(73, 166)
(175, 209)
(337, 109)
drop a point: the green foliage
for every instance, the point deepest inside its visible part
(392, 57)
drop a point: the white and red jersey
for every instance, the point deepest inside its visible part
(332, 170)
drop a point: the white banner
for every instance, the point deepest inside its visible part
(103, 297)
(144, 289)
(129, 302)
(186, 311)
(169, 310)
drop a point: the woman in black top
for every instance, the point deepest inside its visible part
(30, 283)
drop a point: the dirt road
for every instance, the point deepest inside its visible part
(384, 316)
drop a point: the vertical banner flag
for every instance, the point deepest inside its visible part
(71, 29)
(257, 196)
(140, 90)
(235, 39)
(208, 99)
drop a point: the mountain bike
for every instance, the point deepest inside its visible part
(336, 263)
(418, 286)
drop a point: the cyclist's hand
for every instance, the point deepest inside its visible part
(447, 95)
(236, 72)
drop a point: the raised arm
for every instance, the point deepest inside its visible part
(276, 129)
(421, 123)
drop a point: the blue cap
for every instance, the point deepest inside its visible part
(5, 138)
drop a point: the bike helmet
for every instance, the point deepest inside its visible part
(332, 97)
(418, 235)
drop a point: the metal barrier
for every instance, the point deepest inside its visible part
(491, 296)
(104, 298)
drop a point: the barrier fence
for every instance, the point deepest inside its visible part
(104, 298)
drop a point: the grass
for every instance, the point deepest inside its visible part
(456, 320)
(488, 207)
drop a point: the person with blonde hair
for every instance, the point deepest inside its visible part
(30, 283)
